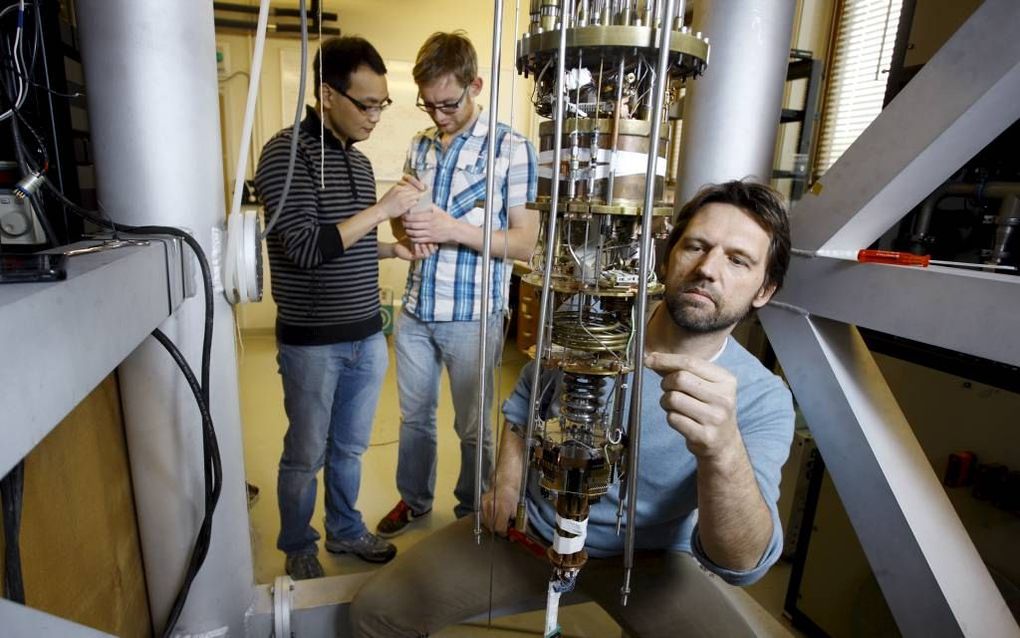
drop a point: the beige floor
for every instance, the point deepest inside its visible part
(264, 426)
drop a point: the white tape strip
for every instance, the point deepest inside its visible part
(565, 546)
(216, 259)
(579, 528)
(627, 163)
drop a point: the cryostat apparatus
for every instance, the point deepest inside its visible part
(605, 75)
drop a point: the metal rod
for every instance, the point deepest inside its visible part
(610, 183)
(634, 428)
(490, 183)
(550, 243)
(593, 159)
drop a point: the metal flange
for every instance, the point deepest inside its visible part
(691, 50)
(283, 604)
(572, 286)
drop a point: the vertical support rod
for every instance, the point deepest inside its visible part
(731, 114)
(610, 183)
(170, 82)
(483, 328)
(641, 303)
(550, 243)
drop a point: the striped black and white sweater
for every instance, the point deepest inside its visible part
(324, 294)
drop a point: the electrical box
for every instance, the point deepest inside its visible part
(19, 223)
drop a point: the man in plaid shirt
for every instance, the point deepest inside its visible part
(441, 319)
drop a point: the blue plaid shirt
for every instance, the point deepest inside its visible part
(447, 285)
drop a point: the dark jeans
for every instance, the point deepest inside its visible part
(423, 348)
(330, 394)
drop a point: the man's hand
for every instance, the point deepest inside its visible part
(700, 400)
(498, 506)
(433, 227)
(414, 182)
(401, 197)
(412, 252)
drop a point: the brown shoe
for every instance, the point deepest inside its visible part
(396, 522)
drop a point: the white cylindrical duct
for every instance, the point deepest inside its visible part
(150, 69)
(731, 114)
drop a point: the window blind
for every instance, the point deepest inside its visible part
(861, 53)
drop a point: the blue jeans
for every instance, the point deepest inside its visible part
(422, 349)
(330, 394)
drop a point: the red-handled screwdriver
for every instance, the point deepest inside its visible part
(895, 258)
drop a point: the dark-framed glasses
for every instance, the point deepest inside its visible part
(371, 109)
(448, 108)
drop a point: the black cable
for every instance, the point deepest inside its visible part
(41, 149)
(92, 216)
(71, 96)
(12, 489)
(214, 480)
(212, 469)
(38, 43)
(26, 167)
(44, 221)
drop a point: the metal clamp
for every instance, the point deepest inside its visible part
(283, 603)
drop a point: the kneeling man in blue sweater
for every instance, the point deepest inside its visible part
(716, 430)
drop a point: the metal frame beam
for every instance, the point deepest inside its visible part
(318, 607)
(61, 345)
(930, 573)
(24, 622)
(952, 308)
(925, 563)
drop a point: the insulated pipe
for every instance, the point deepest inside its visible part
(483, 328)
(641, 302)
(731, 115)
(153, 108)
(550, 245)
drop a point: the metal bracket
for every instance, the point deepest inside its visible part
(283, 603)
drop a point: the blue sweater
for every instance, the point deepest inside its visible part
(667, 498)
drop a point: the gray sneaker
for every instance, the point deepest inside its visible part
(367, 547)
(303, 566)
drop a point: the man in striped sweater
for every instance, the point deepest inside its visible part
(441, 318)
(323, 256)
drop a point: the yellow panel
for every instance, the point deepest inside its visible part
(80, 552)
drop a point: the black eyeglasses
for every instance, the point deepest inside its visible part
(372, 109)
(448, 108)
